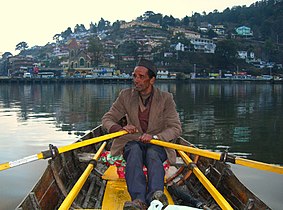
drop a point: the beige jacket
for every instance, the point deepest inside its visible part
(163, 119)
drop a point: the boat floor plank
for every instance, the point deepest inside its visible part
(116, 192)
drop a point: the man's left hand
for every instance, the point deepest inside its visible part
(145, 138)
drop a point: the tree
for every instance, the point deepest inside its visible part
(93, 27)
(147, 15)
(168, 21)
(225, 53)
(79, 28)
(269, 49)
(95, 47)
(6, 55)
(116, 25)
(101, 25)
(226, 48)
(129, 48)
(57, 37)
(4, 64)
(156, 18)
(211, 34)
(22, 46)
(66, 33)
(186, 21)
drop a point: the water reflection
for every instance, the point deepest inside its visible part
(243, 117)
(72, 107)
(234, 116)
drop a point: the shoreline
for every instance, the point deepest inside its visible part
(127, 80)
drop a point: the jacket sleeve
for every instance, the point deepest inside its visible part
(116, 112)
(172, 127)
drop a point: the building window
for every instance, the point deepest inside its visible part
(82, 61)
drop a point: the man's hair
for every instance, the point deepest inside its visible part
(151, 74)
(152, 70)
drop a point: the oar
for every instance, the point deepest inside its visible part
(206, 183)
(53, 151)
(79, 184)
(225, 157)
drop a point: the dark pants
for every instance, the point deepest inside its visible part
(137, 155)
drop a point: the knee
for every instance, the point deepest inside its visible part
(132, 147)
(154, 154)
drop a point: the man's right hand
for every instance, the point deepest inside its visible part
(130, 129)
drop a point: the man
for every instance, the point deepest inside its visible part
(151, 114)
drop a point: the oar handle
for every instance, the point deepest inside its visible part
(91, 141)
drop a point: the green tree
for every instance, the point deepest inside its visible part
(116, 25)
(129, 48)
(92, 27)
(156, 18)
(95, 47)
(168, 21)
(211, 34)
(269, 49)
(225, 53)
(79, 28)
(101, 25)
(66, 33)
(186, 21)
(57, 37)
(22, 46)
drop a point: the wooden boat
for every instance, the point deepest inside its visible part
(103, 189)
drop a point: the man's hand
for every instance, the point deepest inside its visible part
(130, 129)
(145, 138)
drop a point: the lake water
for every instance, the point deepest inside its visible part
(245, 118)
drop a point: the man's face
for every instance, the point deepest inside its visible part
(142, 82)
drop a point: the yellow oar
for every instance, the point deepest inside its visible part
(206, 183)
(53, 151)
(221, 156)
(78, 186)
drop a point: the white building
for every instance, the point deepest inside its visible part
(246, 55)
(203, 45)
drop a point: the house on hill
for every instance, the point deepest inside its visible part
(244, 31)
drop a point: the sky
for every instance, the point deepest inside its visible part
(37, 21)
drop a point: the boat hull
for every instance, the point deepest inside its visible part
(64, 170)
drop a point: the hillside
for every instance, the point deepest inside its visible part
(155, 35)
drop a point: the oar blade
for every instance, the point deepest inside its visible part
(4, 166)
(19, 162)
